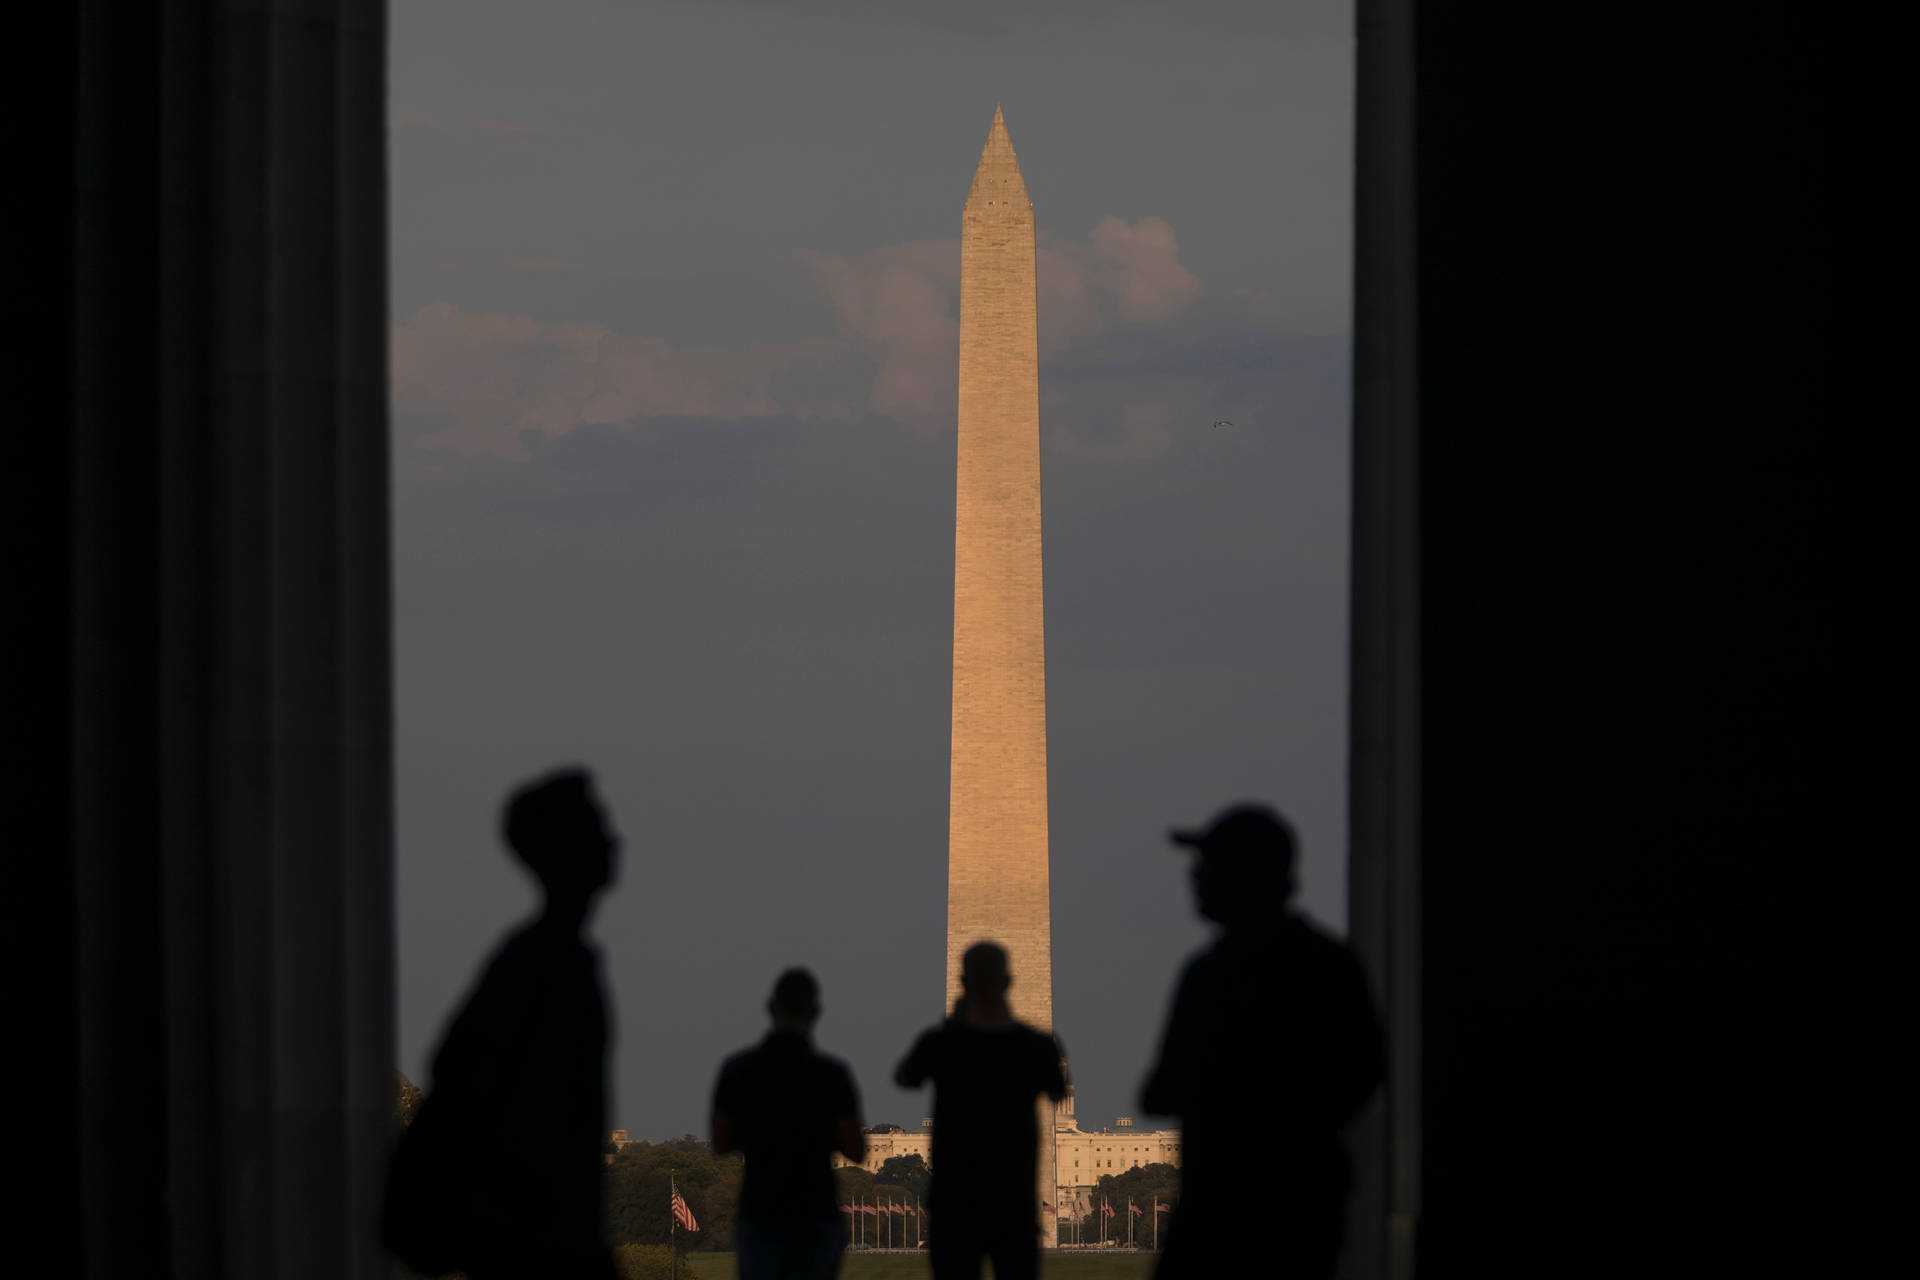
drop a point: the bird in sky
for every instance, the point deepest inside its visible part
(1221, 422)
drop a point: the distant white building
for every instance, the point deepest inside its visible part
(885, 1141)
(1081, 1158)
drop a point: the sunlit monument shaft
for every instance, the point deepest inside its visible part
(997, 823)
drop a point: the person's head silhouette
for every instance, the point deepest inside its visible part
(1244, 863)
(555, 826)
(983, 985)
(795, 1003)
(983, 969)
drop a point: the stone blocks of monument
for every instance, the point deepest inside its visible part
(997, 876)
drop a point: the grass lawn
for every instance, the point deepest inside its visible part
(906, 1266)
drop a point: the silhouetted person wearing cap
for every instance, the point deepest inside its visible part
(1271, 1027)
(788, 1108)
(988, 1072)
(500, 1174)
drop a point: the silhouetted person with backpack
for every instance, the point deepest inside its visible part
(500, 1173)
(1274, 1015)
(988, 1072)
(788, 1108)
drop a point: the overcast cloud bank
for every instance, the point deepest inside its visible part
(500, 384)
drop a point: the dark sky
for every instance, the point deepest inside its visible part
(675, 290)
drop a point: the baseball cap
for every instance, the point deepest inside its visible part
(1243, 831)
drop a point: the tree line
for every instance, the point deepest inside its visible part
(1143, 1185)
(640, 1175)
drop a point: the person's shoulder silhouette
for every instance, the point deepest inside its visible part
(522, 1070)
(1278, 999)
(788, 1108)
(988, 1070)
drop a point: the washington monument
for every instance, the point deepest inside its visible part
(997, 883)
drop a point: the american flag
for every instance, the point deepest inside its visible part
(682, 1214)
(1161, 1206)
(1106, 1210)
(1134, 1209)
(898, 1210)
(869, 1210)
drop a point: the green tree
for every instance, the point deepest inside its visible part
(851, 1182)
(639, 1195)
(1143, 1186)
(909, 1171)
(406, 1100)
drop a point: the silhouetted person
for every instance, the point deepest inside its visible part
(1272, 1027)
(501, 1174)
(988, 1073)
(788, 1108)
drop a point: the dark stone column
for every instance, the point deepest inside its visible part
(227, 783)
(1622, 620)
(1383, 774)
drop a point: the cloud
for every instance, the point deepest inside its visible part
(902, 304)
(488, 379)
(494, 383)
(1138, 268)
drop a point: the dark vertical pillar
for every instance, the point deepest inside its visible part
(1627, 419)
(227, 784)
(1383, 776)
(38, 912)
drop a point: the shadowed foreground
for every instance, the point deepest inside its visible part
(906, 1266)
